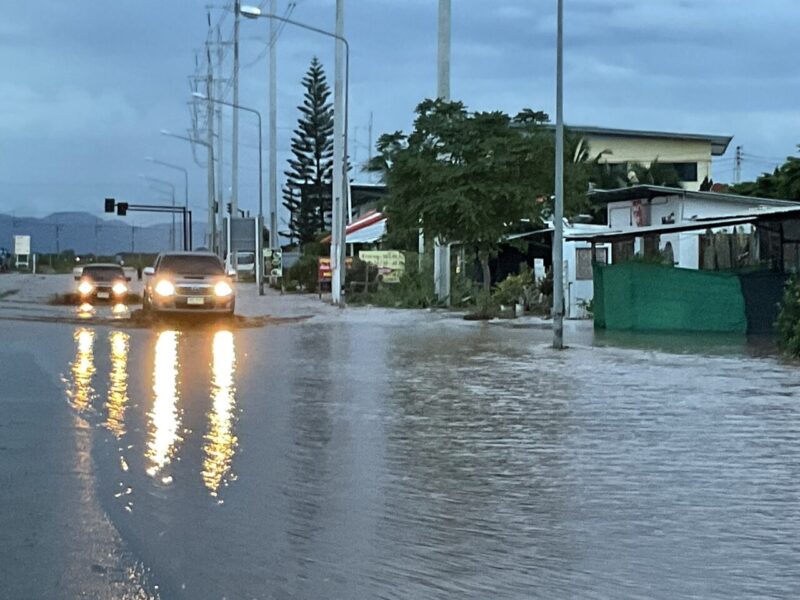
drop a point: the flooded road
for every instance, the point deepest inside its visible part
(406, 455)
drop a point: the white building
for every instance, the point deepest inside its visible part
(644, 206)
(690, 154)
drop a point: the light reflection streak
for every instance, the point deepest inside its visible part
(82, 369)
(117, 400)
(164, 418)
(220, 441)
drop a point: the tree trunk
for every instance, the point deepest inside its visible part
(487, 274)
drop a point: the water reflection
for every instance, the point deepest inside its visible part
(82, 369)
(220, 441)
(117, 399)
(164, 417)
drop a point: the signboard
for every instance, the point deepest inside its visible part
(273, 262)
(391, 263)
(324, 268)
(22, 245)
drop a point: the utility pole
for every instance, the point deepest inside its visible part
(220, 165)
(211, 226)
(339, 166)
(558, 217)
(737, 165)
(235, 137)
(369, 146)
(441, 252)
(274, 241)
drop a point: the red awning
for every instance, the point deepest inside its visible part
(366, 220)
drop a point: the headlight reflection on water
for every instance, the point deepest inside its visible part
(117, 400)
(220, 441)
(164, 417)
(82, 369)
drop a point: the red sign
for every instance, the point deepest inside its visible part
(324, 273)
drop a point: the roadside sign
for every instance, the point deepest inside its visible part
(391, 263)
(324, 268)
(273, 262)
(22, 250)
(22, 245)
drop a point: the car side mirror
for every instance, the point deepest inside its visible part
(127, 278)
(232, 272)
(149, 271)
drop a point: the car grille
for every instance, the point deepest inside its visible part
(194, 290)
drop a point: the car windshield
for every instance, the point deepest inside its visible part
(191, 264)
(245, 259)
(98, 273)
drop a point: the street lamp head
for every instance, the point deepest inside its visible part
(251, 12)
(199, 95)
(149, 159)
(166, 132)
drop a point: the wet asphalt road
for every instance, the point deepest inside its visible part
(394, 455)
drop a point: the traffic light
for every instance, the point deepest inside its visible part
(122, 209)
(229, 207)
(110, 205)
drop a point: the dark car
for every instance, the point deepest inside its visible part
(188, 282)
(99, 281)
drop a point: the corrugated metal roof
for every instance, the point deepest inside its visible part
(646, 192)
(698, 224)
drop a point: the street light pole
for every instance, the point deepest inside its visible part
(441, 251)
(274, 242)
(338, 228)
(155, 161)
(235, 124)
(558, 224)
(259, 237)
(212, 229)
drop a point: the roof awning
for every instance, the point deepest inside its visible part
(364, 230)
(698, 224)
(368, 234)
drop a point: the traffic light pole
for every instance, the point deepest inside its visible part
(122, 209)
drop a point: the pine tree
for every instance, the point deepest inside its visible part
(307, 193)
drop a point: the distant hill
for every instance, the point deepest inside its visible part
(85, 233)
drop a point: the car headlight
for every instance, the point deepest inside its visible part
(119, 288)
(165, 288)
(85, 287)
(223, 288)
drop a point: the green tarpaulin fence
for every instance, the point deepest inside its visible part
(650, 297)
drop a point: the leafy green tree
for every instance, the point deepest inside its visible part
(468, 177)
(307, 192)
(782, 183)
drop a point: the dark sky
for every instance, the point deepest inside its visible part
(88, 85)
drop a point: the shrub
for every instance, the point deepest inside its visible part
(514, 288)
(788, 323)
(303, 273)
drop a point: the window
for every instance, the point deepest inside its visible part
(687, 171)
(583, 261)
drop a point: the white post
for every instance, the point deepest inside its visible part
(211, 226)
(558, 217)
(274, 242)
(235, 131)
(441, 252)
(337, 230)
(220, 171)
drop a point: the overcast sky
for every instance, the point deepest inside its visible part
(88, 85)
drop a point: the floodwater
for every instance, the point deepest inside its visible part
(406, 455)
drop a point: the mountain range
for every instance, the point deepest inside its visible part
(84, 233)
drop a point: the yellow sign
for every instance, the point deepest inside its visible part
(391, 263)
